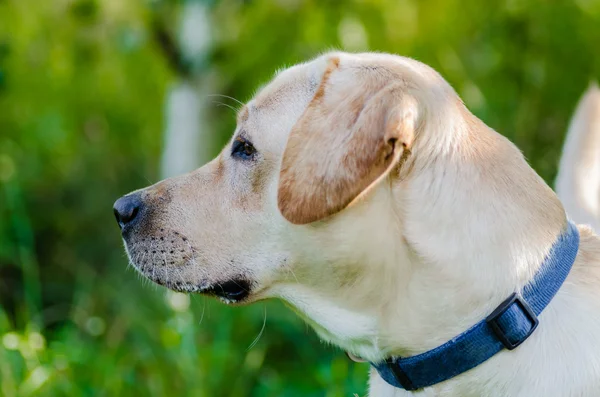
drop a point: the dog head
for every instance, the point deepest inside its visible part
(308, 200)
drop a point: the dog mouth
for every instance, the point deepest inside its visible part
(172, 266)
(232, 291)
(235, 290)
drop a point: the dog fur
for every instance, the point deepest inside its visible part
(578, 179)
(386, 215)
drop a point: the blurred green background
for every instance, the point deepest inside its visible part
(83, 94)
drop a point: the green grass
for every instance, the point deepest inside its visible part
(140, 340)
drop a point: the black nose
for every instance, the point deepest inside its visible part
(126, 209)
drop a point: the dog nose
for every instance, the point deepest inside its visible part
(126, 208)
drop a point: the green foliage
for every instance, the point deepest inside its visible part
(82, 86)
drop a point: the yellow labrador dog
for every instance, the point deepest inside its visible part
(359, 189)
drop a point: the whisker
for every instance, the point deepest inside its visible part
(203, 309)
(193, 259)
(227, 96)
(240, 286)
(293, 274)
(224, 104)
(261, 331)
(147, 179)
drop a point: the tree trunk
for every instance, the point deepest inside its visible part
(187, 135)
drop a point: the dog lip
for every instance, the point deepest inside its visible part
(234, 290)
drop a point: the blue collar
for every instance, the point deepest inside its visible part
(507, 327)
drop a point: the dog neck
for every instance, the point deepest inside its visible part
(476, 234)
(478, 222)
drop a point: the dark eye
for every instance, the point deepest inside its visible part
(242, 149)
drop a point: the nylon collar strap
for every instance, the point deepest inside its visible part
(505, 328)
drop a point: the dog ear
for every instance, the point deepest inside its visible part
(351, 135)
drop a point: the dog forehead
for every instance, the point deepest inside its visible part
(289, 87)
(273, 111)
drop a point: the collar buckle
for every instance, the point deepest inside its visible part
(400, 375)
(514, 330)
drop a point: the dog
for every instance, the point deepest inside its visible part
(360, 190)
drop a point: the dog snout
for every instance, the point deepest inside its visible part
(127, 208)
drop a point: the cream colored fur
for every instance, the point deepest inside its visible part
(578, 180)
(449, 219)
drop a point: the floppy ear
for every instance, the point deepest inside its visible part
(351, 135)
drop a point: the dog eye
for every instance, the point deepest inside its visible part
(242, 149)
